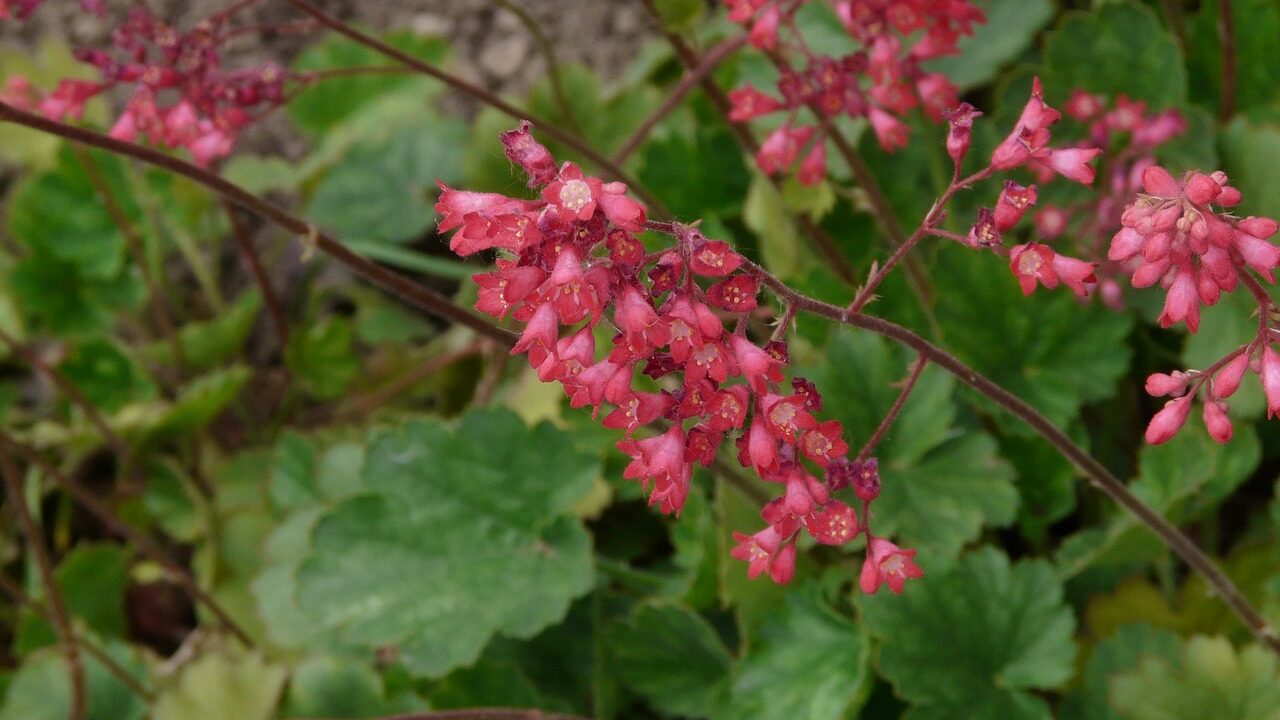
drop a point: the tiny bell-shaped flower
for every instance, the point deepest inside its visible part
(887, 564)
(1216, 420)
(961, 123)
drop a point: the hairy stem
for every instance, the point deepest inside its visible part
(693, 77)
(563, 136)
(908, 385)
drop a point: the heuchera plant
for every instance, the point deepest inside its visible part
(571, 259)
(649, 322)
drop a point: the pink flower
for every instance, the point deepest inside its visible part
(1270, 373)
(714, 259)
(961, 123)
(764, 33)
(834, 524)
(890, 131)
(813, 169)
(1014, 201)
(1073, 163)
(660, 459)
(889, 564)
(1166, 423)
(1217, 422)
(1227, 380)
(620, 209)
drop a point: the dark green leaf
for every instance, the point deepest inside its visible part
(672, 657)
(1121, 49)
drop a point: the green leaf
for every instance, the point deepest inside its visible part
(699, 177)
(327, 103)
(1251, 155)
(59, 213)
(92, 578)
(765, 215)
(382, 192)
(57, 296)
(1210, 679)
(452, 515)
(941, 484)
(1047, 349)
(1116, 654)
(322, 356)
(680, 15)
(106, 376)
(672, 657)
(209, 343)
(261, 173)
(1120, 49)
(808, 662)
(203, 399)
(1011, 26)
(324, 686)
(41, 689)
(973, 644)
(223, 684)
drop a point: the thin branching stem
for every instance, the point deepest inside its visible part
(548, 52)
(692, 77)
(58, 612)
(917, 367)
(253, 261)
(1227, 44)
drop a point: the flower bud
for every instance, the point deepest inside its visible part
(1166, 423)
(1216, 420)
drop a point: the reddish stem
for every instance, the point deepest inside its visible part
(909, 384)
(709, 62)
(254, 262)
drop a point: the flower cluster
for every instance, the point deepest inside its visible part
(882, 81)
(1172, 235)
(205, 106)
(572, 269)
(1132, 133)
(1027, 145)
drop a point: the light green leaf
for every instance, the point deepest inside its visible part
(41, 688)
(452, 515)
(1121, 49)
(672, 657)
(327, 103)
(973, 644)
(1251, 155)
(324, 686)
(223, 684)
(808, 662)
(203, 399)
(766, 216)
(1210, 680)
(382, 192)
(208, 343)
(1118, 653)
